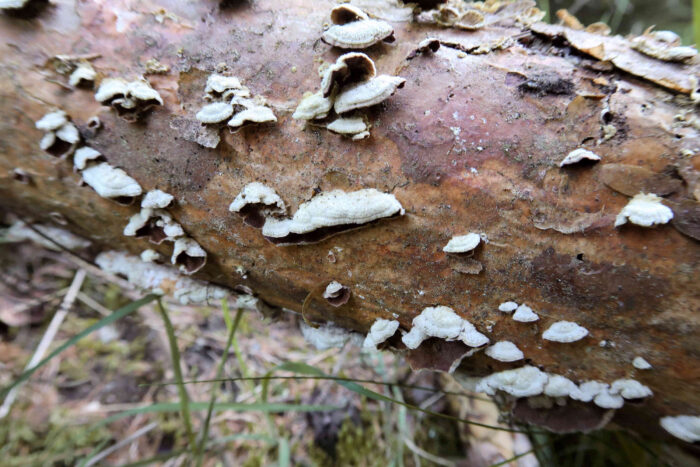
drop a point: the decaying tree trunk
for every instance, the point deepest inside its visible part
(472, 142)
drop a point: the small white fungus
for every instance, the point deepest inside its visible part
(357, 34)
(526, 381)
(630, 389)
(111, 88)
(254, 114)
(257, 193)
(348, 126)
(156, 199)
(524, 314)
(577, 155)
(52, 121)
(189, 249)
(215, 113)
(367, 93)
(607, 400)
(565, 331)
(150, 256)
(381, 330)
(68, 133)
(82, 75)
(442, 322)
(645, 210)
(559, 386)
(83, 155)
(588, 390)
(505, 351)
(110, 182)
(685, 427)
(641, 364)
(218, 84)
(462, 243)
(312, 107)
(507, 307)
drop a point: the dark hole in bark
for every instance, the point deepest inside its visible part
(390, 39)
(579, 256)
(32, 9)
(154, 233)
(124, 200)
(191, 264)
(252, 215)
(21, 176)
(59, 148)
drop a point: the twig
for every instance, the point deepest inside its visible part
(137, 434)
(87, 300)
(48, 337)
(425, 454)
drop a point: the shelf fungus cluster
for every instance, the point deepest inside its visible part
(130, 99)
(381, 330)
(256, 202)
(645, 209)
(471, 16)
(331, 213)
(230, 100)
(348, 85)
(664, 45)
(353, 29)
(505, 351)
(685, 427)
(444, 323)
(61, 136)
(523, 313)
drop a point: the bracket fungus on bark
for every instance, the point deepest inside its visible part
(577, 155)
(645, 209)
(444, 323)
(381, 330)
(155, 199)
(130, 99)
(504, 351)
(684, 427)
(524, 314)
(188, 255)
(256, 202)
(85, 155)
(353, 67)
(367, 93)
(565, 332)
(355, 128)
(353, 29)
(111, 182)
(336, 294)
(525, 381)
(332, 213)
(559, 386)
(61, 136)
(154, 224)
(462, 243)
(508, 307)
(83, 75)
(313, 107)
(231, 100)
(664, 45)
(641, 364)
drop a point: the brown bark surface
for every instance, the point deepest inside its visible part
(471, 143)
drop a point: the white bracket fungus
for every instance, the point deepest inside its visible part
(84, 75)
(565, 331)
(685, 427)
(111, 182)
(155, 224)
(86, 154)
(577, 155)
(588, 390)
(256, 202)
(641, 364)
(524, 314)
(462, 243)
(215, 113)
(188, 255)
(156, 199)
(559, 386)
(161, 279)
(367, 93)
(327, 336)
(253, 114)
(505, 351)
(312, 107)
(607, 400)
(354, 127)
(217, 85)
(526, 381)
(444, 323)
(336, 294)
(353, 67)
(19, 232)
(52, 121)
(507, 307)
(381, 330)
(664, 45)
(151, 256)
(645, 210)
(231, 99)
(129, 99)
(630, 389)
(352, 29)
(331, 213)
(61, 137)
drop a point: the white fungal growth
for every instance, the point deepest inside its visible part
(142, 91)
(150, 256)
(156, 224)
(332, 289)
(254, 114)
(645, 210)
(326, 336)
(161, 279)
(349, 68)
(83, 155)
(110, 182)
(367, 93)
(507, 307)
(68, 133)
(505, 351)
(524, 314)
(349, 126)
(607, 400)
(442, 322)
(129, 99)
(52, 121)
(565, 331)
(83, 75)
(664, 45)
(381, 330)
(630, 389)
(215, 113)
(358, 34)
(156, 199)
(335, 208)
(19, 232)
(347, 13)
(336, 294)
(462, 243)
(685, 427)
(587, 391)
(218, 84)
(559, 386)
(257, 193)
(577, 155)
(526, 381)
(641, 364)
(312, 107)
(188, 255)
(111, 88)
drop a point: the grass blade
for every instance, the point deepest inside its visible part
(118, 314)
(175, 356)
(219, 372)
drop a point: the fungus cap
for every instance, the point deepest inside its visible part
(526, 381)
(641, 364)
(348, 126)
(507, 307)
(607, 400)
(346, 13)
(577, 155)
(110, 182)
(68, 133)
(255, 114)
(150, 256)
(644, 209)
(257, 193)
(349, 68)
(312, 107)
(381, 330)
(111, 88)
(524, 314)
(83, 155)
(156, 199)
(685, 427)
(358, 34)
(630, 389)
(565, 331)
(215, 112)
(84, 73)
(462, 243)
(142, 90)
(219, 84)
(588, 390)
(188, 255)
(367, 93)
(52, 121)
(505, 351)
(559, 386)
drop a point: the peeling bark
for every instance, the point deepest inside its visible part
(472, 143)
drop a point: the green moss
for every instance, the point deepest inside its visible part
(358, 445)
